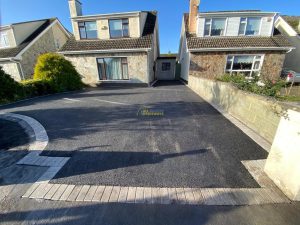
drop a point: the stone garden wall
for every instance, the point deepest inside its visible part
(259, 113)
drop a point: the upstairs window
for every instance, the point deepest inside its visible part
(88, 30)
(4, 40)
(249, 65)
(119, 28)
(215, 27)
(250, 26)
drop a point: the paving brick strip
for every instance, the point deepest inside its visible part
(42, 189)
(268, 194)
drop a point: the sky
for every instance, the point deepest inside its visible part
(169, 12)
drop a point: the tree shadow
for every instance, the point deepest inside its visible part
(12, 135)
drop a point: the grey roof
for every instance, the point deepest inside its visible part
(115, 44)
(12, 52)
(276, 41)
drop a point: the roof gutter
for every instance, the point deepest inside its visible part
(241, 49)
(8, 59)
(105, 51)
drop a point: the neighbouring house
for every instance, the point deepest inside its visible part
(289, 26)
(117, 47)
(214, 43)
(22, 43)
(166, 67)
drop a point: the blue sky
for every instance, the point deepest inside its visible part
(170, 11)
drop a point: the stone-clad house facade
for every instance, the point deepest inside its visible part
(118, 47)
(22, 43)
(215, 43)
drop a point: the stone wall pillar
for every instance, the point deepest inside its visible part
(283, 163)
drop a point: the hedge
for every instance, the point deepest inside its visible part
(10, 90)
(53, 74)
(59, 72)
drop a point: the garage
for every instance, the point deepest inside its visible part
(166, 67)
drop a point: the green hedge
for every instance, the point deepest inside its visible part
(59, 72)
(267, 87)
(34, 88)
(53, 74)
(10, 90)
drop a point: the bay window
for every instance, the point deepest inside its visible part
(214, 27)
(249, 65)
(88, 30)
(119, 28)
(113, 68)
(250, 26)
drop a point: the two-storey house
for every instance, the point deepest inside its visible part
(118, 47)
(22, 43)
(215, 43)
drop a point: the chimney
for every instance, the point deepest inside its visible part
(75, 8)
(194, 8)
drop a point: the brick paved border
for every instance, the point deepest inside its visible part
(268, 194)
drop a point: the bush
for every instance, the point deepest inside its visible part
(59, 72)
(10, 90)
(34, 88)
(267, 87)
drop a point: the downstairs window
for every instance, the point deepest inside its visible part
(249, 65)
(113, 68)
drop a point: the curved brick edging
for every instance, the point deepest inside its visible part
(37, 133)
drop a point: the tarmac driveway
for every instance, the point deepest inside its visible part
(111, 143)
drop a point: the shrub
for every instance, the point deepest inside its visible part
(10, 90)
(59, 72)
(34, 88)
(269, 88)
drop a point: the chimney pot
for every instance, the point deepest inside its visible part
(194, 8)
(75, 8)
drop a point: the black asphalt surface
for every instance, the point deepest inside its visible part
(191, 145)
(11, 135)
(13, 144)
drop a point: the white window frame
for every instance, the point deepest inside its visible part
(230, 71)
(4, 39)
(246, 23)
(210, 24)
